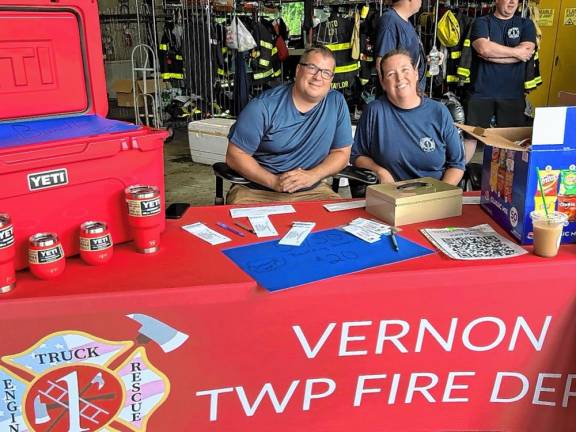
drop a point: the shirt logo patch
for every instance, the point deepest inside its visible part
(427, 144)
(514, 33)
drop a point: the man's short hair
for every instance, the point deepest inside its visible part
(398, 51)
(322, 50)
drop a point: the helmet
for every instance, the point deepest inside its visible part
(455, 108)
(448, 30)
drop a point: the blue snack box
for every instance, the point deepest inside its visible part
(512, 157)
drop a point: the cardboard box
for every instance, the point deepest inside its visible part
(413, 201)
(512, 157)
(124, 89)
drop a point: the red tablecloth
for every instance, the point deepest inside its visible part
(428, 344)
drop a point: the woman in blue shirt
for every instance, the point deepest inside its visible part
(403, 135)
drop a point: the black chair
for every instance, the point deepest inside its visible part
(223, 172)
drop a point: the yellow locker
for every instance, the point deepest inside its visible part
(557, 51)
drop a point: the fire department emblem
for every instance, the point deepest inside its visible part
(71, 381)
(427, 144)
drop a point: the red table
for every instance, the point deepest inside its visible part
(430, 344)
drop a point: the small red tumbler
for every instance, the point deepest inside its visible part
(7, 253)
(95, 243)
(46, 256)
(145, 217)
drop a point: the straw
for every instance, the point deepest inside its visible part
(542, 194)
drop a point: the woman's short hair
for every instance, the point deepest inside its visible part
(394, 52)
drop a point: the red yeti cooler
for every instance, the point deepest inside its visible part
(61, 161)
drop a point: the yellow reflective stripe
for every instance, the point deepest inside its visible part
(466, 81)
(528, 85)
(179, 57)
(172, 75)
(339, 47)
(348, 68)
(536, 55)
(263, 62)
(224, 50)
(538, 80)
(263, 74)
(452, 78)
(220, 71)
(274, 50)
(163, 47)
(466, 43)
(465, 72)
(455, 54)
(277, 73)
(266, 44)
(364, 81)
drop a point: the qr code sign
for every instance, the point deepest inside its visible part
(480, 247)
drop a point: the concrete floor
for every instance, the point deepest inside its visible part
(185, 180)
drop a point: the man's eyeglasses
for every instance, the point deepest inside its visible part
(312, 69)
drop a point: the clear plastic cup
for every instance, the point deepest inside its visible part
(547, 232)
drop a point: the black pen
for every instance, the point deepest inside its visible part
(393, 239)
(244, 227)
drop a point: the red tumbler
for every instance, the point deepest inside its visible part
(46, 256)
(144, 216)
(7, 253)
(95, 243)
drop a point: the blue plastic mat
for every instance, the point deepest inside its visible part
(323, 254)
(20, 133)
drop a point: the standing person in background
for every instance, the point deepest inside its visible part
(394, 31)
(502, 42)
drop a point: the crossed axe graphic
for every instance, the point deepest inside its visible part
(151, 330)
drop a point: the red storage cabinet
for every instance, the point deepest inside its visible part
(61, 161)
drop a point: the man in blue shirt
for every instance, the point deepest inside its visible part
(502, 42)
(290, 138)
(403, 135)
(394, 31)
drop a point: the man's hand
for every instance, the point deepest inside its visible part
(384, 176)
(293, 181)
(524, 52)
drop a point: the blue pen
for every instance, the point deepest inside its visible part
(229, 228)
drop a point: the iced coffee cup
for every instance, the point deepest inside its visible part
(547, 232)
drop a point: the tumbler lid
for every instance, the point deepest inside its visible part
(142, 192)
(5, 220)
(93, 227)
(43, 239)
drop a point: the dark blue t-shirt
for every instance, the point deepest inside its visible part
(281, 138)
(392, 32)
(495, 80)
(412, 143)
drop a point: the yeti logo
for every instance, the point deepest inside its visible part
(427, 144)
(514, 33)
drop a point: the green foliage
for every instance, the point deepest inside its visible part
(292, 14)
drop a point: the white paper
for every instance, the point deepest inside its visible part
(371, 225)
(478, 242)
(346, 205)
(471, 199)
(202, 231)
(262, 226)
(549, 126)
(361, 233)
(297, 234)
(261, 211)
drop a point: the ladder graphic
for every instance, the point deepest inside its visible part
(57, 394)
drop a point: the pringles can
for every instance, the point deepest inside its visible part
(7, 253)
(46, 256)
(95, 243)
(144, 217)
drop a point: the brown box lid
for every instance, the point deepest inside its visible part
(409, 192)
(516, 138)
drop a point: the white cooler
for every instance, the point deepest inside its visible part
(208, 139)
